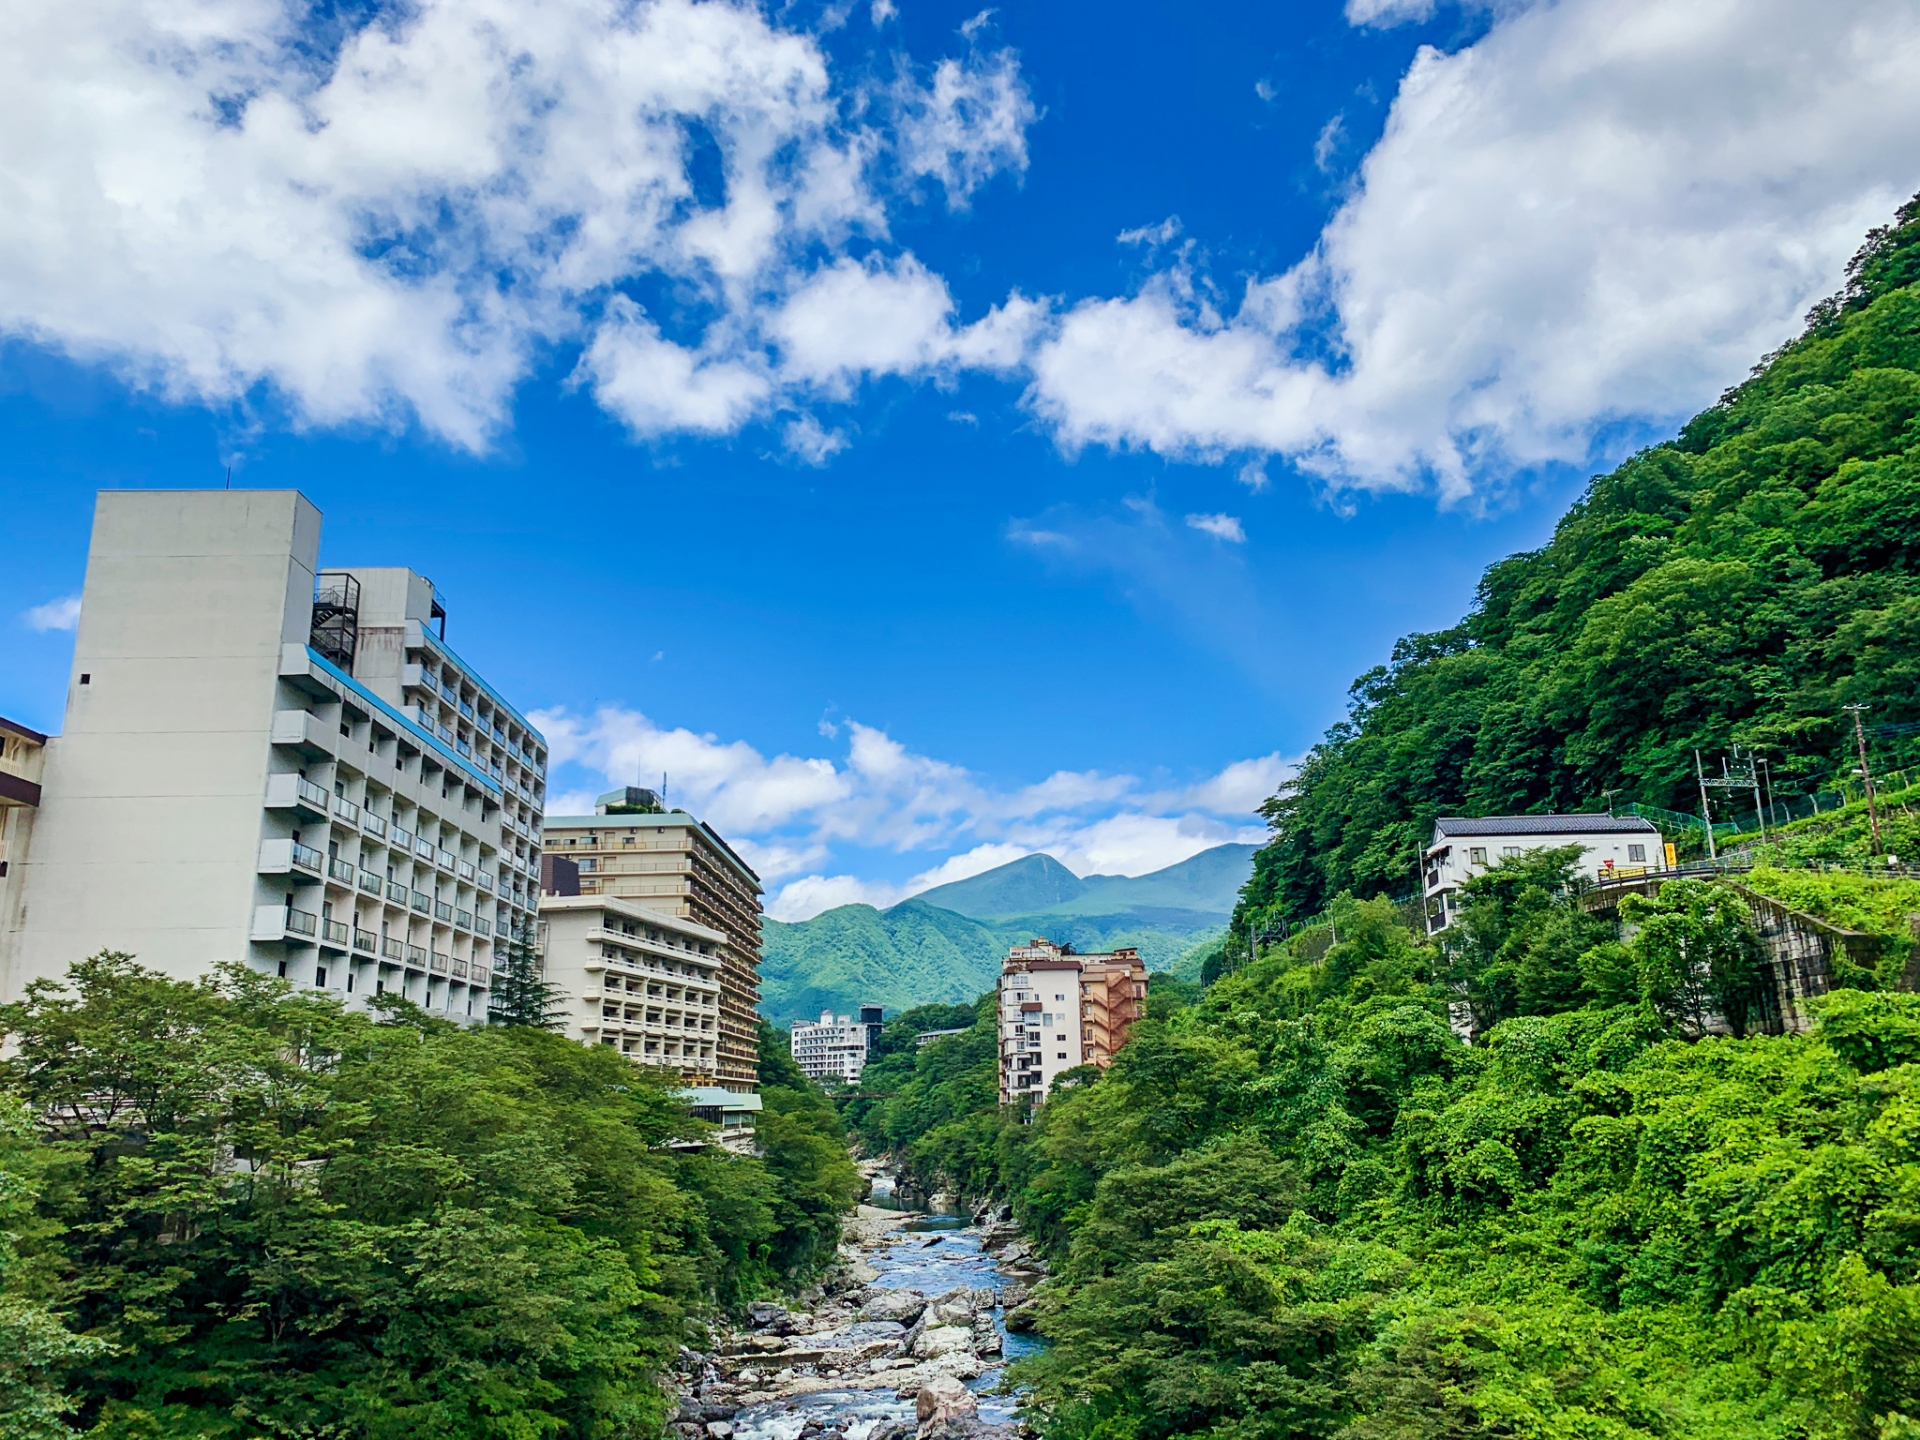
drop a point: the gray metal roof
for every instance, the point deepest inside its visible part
(1466, 825)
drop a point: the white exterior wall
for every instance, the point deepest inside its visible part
(830, 1047)
(1039, 1029)
(221, 793)
(1451, 860)
(634, 979)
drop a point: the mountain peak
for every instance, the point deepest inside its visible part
(1033, 882)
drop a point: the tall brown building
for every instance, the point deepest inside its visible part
(666, 860)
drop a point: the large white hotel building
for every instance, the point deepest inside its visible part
(268, 760)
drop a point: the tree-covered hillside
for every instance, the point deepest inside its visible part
(1737, 585)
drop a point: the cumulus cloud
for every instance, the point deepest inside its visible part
(61, 614)
(1221, 527)
(791, 815)
(1602, 211)
(395, 228)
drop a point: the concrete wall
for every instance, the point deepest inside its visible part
(152, 814)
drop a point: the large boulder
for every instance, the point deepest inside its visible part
(938, 1340)
(943, 1398)
(1021, 1317)
(764, 1313)
(903, 1306)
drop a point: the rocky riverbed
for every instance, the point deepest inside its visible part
(907, 1336)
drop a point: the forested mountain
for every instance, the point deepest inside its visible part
(1538, 1176)
(947, 943)
(1737, 585)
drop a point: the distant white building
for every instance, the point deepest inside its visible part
(1463, 847)
(836, 1047)
(1060, 1010)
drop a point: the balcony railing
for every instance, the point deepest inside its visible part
(466, 709)
(302, 922)
(482, 926)
(464, 870)
(402, 839)
(464, 748)
(391, 949)
(332, 932)
(312, 793)
(416, 957)
(369, 882)
(396, 892)
(422, 902)
(483, 880)
(346, 809)
(459, 969)
(373, 824)
(442, 910)
(463, 919)
(438, 961)
(448, 860)
(423, 848)
(366, 941)
(341, 870)
(308, 858)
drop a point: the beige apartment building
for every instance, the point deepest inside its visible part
(266, 761)
(635, 979)
(667, 862)
(1060, 1009)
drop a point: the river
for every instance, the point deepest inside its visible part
(942, 1254)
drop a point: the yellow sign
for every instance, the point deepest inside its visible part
(1671, 861)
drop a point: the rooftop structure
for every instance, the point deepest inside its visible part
(1463, 847)
(270, 762)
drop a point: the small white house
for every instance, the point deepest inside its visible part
(1463, 847)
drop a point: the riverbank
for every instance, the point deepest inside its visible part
(907, 1333)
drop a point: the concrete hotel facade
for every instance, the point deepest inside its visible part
(1059, 1010)
(669, 862)
(835, 1047)
(266, 761)
(635, 979)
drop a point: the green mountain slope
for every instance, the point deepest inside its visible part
(1738, 585)
(912, 954)
(947, 943)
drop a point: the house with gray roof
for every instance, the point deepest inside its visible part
(1465, 846)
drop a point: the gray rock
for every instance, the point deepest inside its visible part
(764, 1313)
(719, 1430)
(719, 1412)
(943, 1398)
(902, 1306)
(940, 1339)
(1020, 1318)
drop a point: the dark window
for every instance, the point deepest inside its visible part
(320, 975)
(85, 678)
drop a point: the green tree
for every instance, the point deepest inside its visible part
(520, 994)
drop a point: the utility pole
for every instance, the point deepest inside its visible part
(1753, 772)
(1772, 814)
(1866, 771)
(1706, 811)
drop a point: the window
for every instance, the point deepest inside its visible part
(1637, 853)
(1477, 855)
(1510, 852)
(1046, 1019)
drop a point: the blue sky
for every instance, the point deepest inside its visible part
(928, 434)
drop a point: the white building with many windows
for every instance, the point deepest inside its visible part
(835, 1047)
(635, 979)
(1060, 1009)
(1463, 847)
(270, 762)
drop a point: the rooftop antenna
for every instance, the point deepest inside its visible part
(663, 790)
(229, 477)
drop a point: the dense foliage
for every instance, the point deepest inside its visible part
(1304, 1206)
(239, 1210)
(1735, 586)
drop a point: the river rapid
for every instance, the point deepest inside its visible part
(917, 1301)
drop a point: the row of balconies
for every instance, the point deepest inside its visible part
(288, 923)
(423, 677)
(291, 858)
(303, 796)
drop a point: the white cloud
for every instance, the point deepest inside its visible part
(791, 816)
(812, 443)
(61, 614)
(1603, 210)
(1221, 527)
(1151, 234)
(883, 11)
(970, 125)
(1266, 90)
(397, 230)
(1332, 136)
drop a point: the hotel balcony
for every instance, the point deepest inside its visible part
(302, 863)
(278, 922)
(299, 794)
